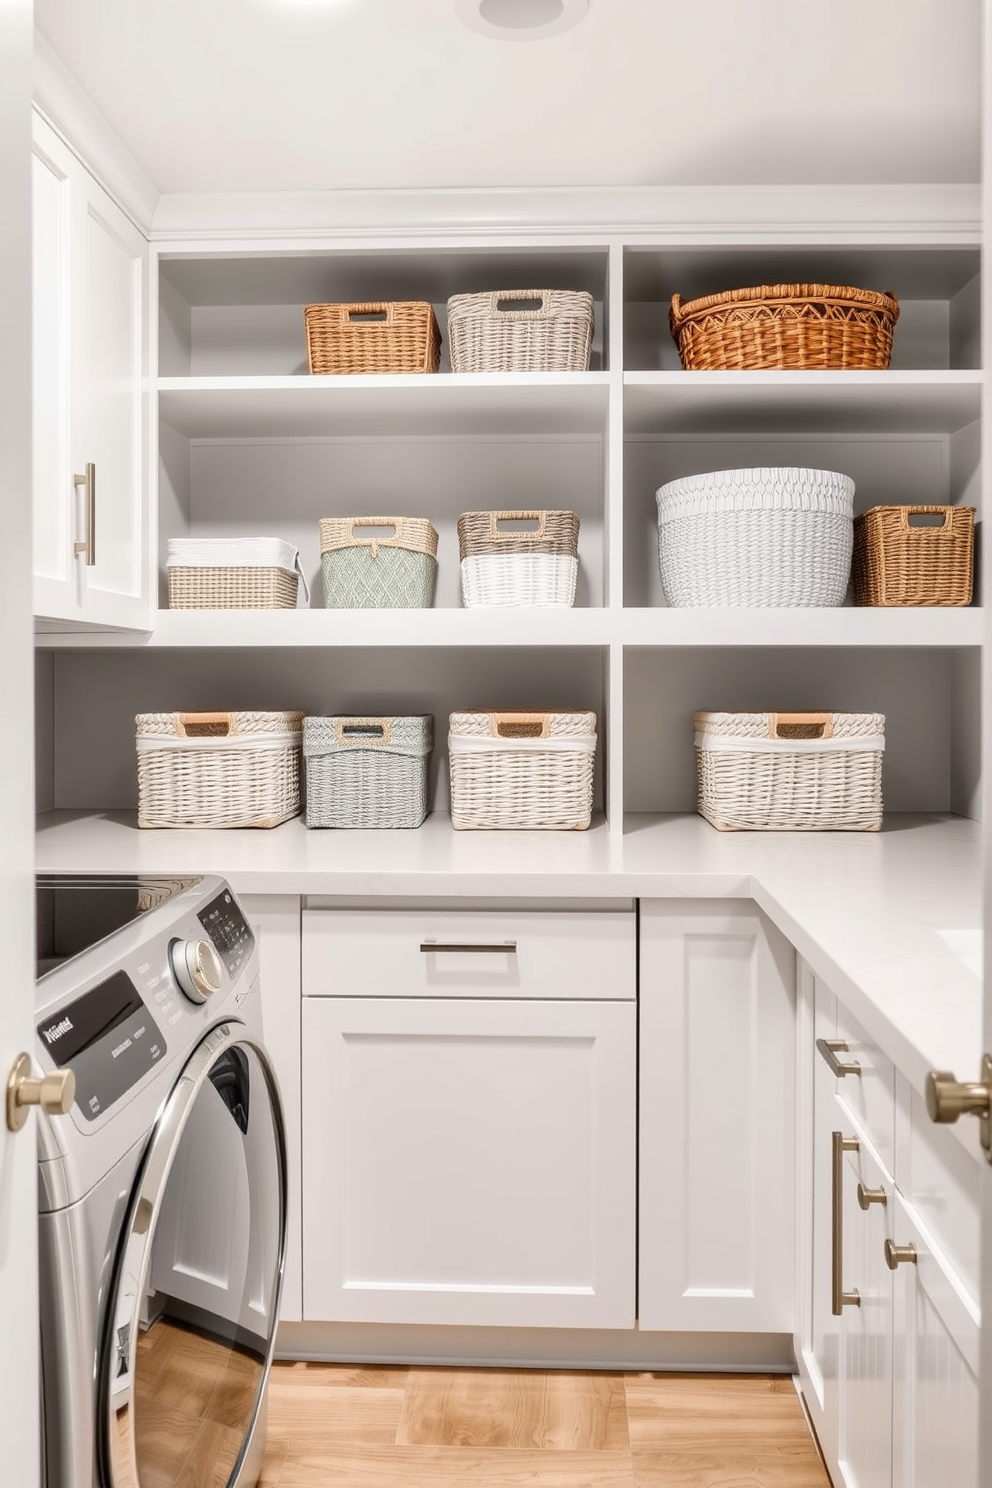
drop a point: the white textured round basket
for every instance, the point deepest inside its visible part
(774, 535)
(546, 579)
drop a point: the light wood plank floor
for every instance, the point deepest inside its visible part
(334, 1425)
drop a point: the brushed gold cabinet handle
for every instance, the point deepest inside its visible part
(830, 1048)
(839, 1299)
(869, 1196)
(88, 547)
(54, 1092)
(895, 1255)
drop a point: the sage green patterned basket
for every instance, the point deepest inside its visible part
(393, 572)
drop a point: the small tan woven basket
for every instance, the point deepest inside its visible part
(790, 772)
(232, 589)
(901, 562)
(218, 769)
(517, 770)
(521, 330)
(373, 336)
(788, 326)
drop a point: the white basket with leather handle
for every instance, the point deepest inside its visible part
(218, 769)
(790, 772)
(530, 771)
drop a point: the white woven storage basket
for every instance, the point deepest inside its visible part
(766, 536)
(218, 769)
(542, 579)
(367, 772)
(791, 772)
(234, 573)
(521, 330)
(522, 770)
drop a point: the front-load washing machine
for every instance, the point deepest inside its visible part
(162, 1192)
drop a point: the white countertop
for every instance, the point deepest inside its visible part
(864, 909)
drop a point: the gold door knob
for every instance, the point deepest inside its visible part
(869, 1196)
(895, 1255)
(54, 1092)
(947, 1099)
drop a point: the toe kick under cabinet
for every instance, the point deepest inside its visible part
(469, 1110)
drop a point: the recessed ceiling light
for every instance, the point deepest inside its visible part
(520, 20)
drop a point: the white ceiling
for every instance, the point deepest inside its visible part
(243, 95)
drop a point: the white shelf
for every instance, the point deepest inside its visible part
(801, 402)
(649, 627)
(482, 403)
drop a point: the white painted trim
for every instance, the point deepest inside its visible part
(826, 214)
(74, 116)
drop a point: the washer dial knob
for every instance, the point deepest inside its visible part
(197, 968)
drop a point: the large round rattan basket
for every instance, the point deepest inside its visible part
(816, 327)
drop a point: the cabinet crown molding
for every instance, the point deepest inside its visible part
(929, 213)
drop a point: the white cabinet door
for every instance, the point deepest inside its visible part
(864, 1447)
(936, 1395)
(88, 382)
(717, 1107)
(469, 1161)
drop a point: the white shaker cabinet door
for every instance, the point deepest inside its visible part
(936, 1343)
(469, 1161)
(89, 300)
(717, 1105)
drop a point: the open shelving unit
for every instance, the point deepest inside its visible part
(245, 441)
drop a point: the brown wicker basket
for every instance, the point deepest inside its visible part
(899, 563)
(812, 327)
(373, 336)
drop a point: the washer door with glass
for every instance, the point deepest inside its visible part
(190, 1322)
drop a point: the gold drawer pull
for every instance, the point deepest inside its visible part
(839, 1299)
(895, 1255)
(830, 1048)
(869, 1196)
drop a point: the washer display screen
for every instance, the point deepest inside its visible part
(109, 1038)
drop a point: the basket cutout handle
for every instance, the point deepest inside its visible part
(387, 529)
(205, 725)
(499, 533)
(362, 730)
(800, 725)
(376, 312)
(520, 726)
(518, 302)
(924, 519)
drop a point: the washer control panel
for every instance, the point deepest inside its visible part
(109, 1040)
(229, 931)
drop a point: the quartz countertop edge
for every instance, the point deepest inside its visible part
(865, 910)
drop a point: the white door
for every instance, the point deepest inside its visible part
(985, 1367)
(19, 1428)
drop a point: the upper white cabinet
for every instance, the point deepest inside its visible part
(717, 1098)
(90, 488)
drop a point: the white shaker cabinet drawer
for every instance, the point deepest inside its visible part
(427, 953)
